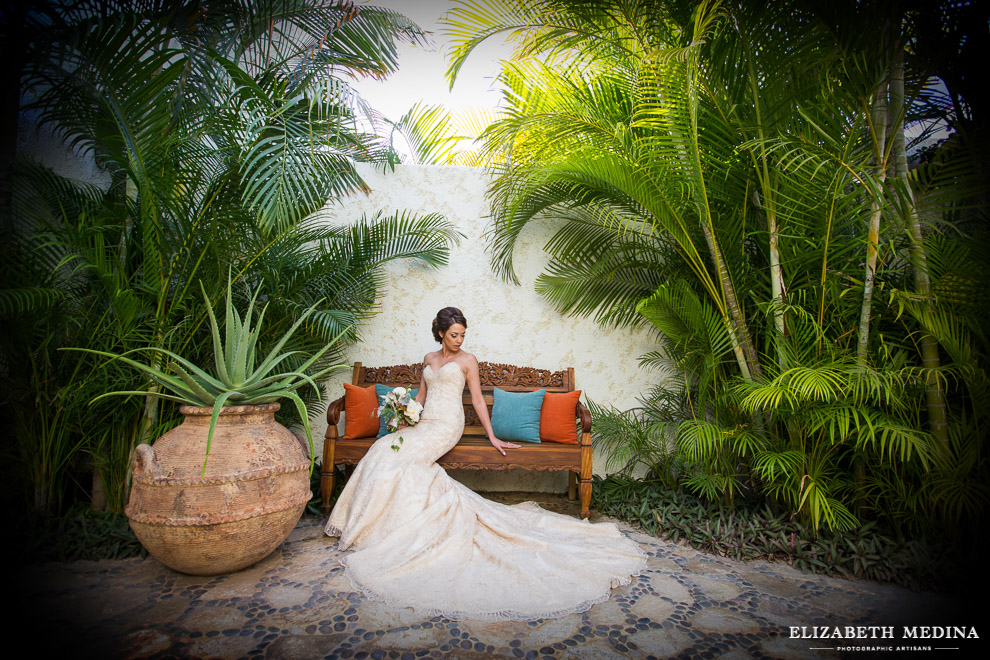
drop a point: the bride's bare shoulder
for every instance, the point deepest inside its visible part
(430, 357)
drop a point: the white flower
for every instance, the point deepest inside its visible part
(414, 406)
(399, 392)
(412, 415)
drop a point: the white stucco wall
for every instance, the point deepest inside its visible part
(506, 323)
(49, 149)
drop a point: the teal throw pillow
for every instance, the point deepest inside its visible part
(516, 415)
(380, 391)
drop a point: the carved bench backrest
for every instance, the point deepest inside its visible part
(503, 376)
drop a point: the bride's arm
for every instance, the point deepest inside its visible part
(421, 394)
(478, 401)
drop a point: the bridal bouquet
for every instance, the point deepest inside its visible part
(397, 407)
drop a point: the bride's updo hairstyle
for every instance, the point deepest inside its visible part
(447, 317)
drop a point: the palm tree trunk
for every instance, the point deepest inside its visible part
(742, 341)
(769, 206)
(776, 282)
(934, 393)
(98, 492)
(149, 417)
(879, 114)
(777, 289)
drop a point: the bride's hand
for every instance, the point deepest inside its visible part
(502, 446)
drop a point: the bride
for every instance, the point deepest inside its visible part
(421, 539)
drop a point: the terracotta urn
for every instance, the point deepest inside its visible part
(253, 493)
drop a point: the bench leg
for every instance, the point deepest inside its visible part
(572, 485)
(586, 473)
(585, 489)
(326, 491)
(326, 472)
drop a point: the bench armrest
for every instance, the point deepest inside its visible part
(334, 410)
(584, 415)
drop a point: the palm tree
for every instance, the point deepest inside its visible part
(605, 128)
(733, 158)
(224, 129)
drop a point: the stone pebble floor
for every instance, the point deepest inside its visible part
(297, 604)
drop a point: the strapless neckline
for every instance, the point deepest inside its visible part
(430, 367)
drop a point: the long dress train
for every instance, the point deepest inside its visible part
(423, 540)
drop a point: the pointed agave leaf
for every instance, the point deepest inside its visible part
(178, 359)
(243, 340)
(259, 375)
(174, 384)
(234, 330)
(282, 383)
(205, 396)
(245, 343)
(268, 380)
(304, 415)
(266, 385)
(217, 407)
(281, 342)
(303, 380)
(252, 348)
(263, 380)
(266, 395)
(144, 393)
(215, 334)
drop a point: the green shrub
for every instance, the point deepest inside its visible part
(751, 530)
(80, 533)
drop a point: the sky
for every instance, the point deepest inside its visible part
(421, 70)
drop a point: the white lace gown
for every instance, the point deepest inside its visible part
(420, 539)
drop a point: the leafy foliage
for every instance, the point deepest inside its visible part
(638, 439)
(80, 533)
(751, 532)
(735, 176)
(222, 133)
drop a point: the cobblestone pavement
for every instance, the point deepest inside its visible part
(298, 604)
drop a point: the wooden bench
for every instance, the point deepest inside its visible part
(473, 451)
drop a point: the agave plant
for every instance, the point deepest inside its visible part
(240, 378)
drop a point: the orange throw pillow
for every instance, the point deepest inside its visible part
(557, 420)
(360, 408)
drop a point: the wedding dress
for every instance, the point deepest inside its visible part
(423, 540)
